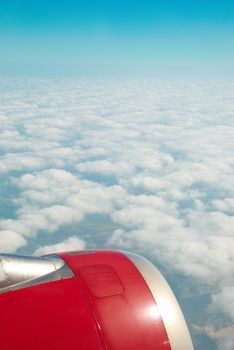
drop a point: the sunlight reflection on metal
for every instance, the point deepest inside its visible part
(167, 305)
(153, 312)
(167, 310)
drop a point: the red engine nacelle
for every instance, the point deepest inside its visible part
(88, 300)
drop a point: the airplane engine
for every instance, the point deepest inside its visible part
(88, 300)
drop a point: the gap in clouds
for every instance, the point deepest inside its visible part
(94, 231)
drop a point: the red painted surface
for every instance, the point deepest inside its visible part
(106, 306)
(51, 316)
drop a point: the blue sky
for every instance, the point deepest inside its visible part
(169, 38)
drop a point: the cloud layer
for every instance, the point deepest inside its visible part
(154, 159)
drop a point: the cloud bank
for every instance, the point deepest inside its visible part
(154, 160)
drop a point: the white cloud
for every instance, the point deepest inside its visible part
(226, 342)
(25, 161)
(72, 243)
(54, 198)
(224, 300)
(226, 205)
(10, 241)
(148, 183)
(105, 167)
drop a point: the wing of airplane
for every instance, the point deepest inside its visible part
(88, 300)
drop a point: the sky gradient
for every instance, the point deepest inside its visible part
(117, 38)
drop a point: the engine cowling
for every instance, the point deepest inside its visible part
(88, 300)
